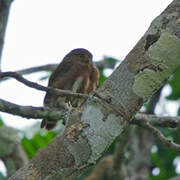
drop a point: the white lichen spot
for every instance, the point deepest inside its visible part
(101, 132)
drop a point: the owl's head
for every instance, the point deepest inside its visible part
(81, 55)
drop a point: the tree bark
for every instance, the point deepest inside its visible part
(106, 114)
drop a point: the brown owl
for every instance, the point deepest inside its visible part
(76, 73)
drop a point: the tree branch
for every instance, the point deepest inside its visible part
(161, 137)
(54, 114)
(29, 111)
(163, 121)
(160, 121)
(47, 67)
(31, 84)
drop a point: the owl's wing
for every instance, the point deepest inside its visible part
(60, 74)
(58, 79)
(67, 76)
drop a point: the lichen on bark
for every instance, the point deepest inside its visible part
(165, 57)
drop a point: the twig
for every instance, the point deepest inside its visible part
(47, 67)
(161, 121)
(161, 137)
(31, 84)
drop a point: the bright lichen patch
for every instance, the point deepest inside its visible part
(165, 55)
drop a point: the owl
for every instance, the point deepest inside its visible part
(75, 73)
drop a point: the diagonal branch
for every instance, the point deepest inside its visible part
(167, 142)
(31, 84)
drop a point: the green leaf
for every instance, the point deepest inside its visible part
(28, 147)
(178, 111)
(38, 141)
(102, 78)
(1, 121)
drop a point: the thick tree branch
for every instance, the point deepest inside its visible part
(4, 13)
(144, 70)
(137, 167)
(31, 84)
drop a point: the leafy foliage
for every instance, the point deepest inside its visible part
(38, 141)
(178, 112)
(163, 159)
(1, 122)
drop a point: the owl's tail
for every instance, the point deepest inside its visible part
(48, 124)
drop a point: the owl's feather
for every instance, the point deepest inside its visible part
(76, 73)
